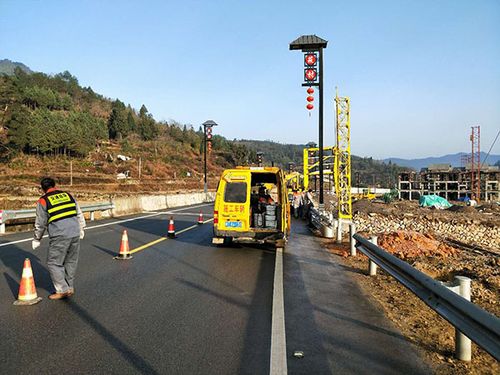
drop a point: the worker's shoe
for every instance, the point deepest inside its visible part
(70, 292)
(57, 295)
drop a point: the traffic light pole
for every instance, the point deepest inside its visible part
(320, 141)
(205, 158)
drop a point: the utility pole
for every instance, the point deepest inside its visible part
(207, 140)
(71, 173)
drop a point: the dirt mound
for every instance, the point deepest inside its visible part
(409, 244)
(466, 209)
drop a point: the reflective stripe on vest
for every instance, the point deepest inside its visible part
(62, 215)
(60, 205)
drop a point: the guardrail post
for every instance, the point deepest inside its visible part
(463, 346)
(2, 224)
(372, 266)
(339, 230)
(91, 215)
(352, 232)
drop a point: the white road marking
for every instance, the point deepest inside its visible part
(278, 338)
(117, 222)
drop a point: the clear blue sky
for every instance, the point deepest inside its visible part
(419, 73)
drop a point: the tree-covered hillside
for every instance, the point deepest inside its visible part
(8, 67)
(53, 115)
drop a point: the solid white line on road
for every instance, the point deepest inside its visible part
(116, 222)
(278, 338)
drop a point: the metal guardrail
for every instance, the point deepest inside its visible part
(9, 215)
(319, 219)
(480, 326)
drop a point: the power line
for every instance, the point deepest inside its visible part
(493, 144)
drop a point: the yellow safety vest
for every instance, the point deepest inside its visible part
(60, 205)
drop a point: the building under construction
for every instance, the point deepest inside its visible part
(451, 183)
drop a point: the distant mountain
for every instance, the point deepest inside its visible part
(7, 67)
(454, 159)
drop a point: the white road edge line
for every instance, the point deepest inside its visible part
(116, 222)
(278, 338)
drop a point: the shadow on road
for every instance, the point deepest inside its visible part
(213, 293)
(257, 342)
(13, 258)
(127, 353)
(109, 252)
(361, 323)
(302, 331)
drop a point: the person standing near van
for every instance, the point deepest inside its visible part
(297, 204)
(308, 205)
(58, 213)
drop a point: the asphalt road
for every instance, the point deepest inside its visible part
(184, 306)
(181, 306)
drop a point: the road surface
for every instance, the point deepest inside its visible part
(184, 306)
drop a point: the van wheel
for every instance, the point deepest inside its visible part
(228, 241)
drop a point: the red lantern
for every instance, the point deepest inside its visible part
(309, 106)
(310, 98)
(310, 91)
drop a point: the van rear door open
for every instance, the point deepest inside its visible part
(234, 212)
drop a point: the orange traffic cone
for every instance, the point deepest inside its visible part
(200, 218)
(171, 228)
(124, 249)
(27, 290)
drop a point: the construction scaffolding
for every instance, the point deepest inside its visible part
(475, 160)
(343, 158)
(311, 168)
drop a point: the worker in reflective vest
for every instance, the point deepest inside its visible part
(59, 214)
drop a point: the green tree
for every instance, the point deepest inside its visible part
(118, 125)
(132, 127)
(148, 129)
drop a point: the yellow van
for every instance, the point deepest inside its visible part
(251, 205)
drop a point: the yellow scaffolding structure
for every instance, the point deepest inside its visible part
(343, 158)
(311, 163)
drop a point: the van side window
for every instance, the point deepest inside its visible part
(235, 192)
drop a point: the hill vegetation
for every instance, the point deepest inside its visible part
(8, 67)
(48, 121)
(53, 115)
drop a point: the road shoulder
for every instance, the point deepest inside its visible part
(332, 321)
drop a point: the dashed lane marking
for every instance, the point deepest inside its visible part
(117, 222)
(149, 244)
(278, 339)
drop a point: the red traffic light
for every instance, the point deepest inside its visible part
(310, 59)
(310, 75)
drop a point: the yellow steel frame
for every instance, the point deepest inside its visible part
(343, 158)
(307, 167)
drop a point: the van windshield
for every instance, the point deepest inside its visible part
(235, 192)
